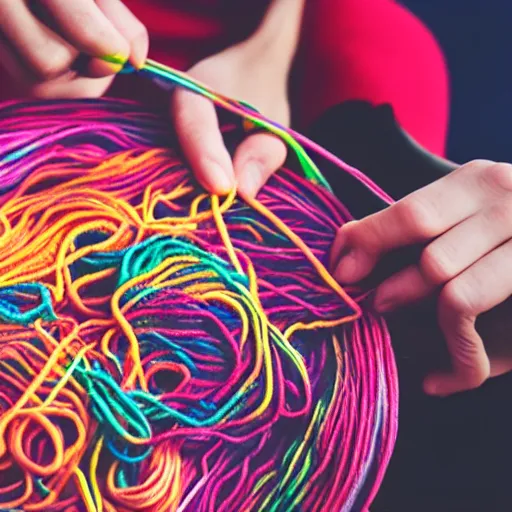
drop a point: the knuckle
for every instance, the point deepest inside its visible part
(90, 35)
(96, 39)
(351, 232)
(140, 34)
(265, 150)
(458, 297)
(475, 378)
(478, 163)
(474, 167)
(339, 235)
(471, 369)
(500, 213)
(418, 215)
(52, 65)
(436, 265)
(497, 177)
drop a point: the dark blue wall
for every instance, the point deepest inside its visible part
(476, 36)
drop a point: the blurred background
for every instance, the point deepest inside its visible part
(454, 454)
(476, 36)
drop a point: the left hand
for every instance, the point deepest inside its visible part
(41, 45)
(465, 222)
(244, 72)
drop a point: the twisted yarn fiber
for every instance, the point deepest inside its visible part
(166, 350)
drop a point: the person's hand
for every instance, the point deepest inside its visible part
(464, 221)
(244, 72)
(41, 40)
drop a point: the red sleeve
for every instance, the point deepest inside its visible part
(375, 50)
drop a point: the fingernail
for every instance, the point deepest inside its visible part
(222, 182)
(250, 179)
(347, 266)
(139, 53)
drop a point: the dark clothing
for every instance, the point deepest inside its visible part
(452, 454)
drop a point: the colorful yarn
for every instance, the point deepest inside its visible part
(166, 350)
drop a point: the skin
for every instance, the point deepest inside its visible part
(39, 51)
(39, 48)
(256, 71)
(195, 119)
(464, 223)
(463, 220)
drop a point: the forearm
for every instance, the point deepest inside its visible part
(279, 32)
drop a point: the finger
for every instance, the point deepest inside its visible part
(419, 217)
(337, 248)
(45, 53)
(11, 63)
(129, 27)
(470, 364)
(480, 288)
(197, 127)
(85, 26)
(255, 160)
(405, 287)
(448, 256)
(64, 86)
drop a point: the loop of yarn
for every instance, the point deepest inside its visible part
(165, 350)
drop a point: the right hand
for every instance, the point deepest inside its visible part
(249, 71)
(39, 46)
(464, 222)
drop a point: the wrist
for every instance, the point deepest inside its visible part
(277, 37)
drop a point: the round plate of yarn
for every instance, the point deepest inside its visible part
(162, 349)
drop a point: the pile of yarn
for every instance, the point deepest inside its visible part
(162, 349)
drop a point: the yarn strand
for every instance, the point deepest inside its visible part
(163, 349)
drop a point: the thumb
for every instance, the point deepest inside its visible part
(471, 365)
(353, 255)
(255, 160)
(361, 243)
(197, 127)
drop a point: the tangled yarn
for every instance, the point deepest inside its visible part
(166, 350)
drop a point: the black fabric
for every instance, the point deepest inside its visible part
(452, 454)
(370, 137)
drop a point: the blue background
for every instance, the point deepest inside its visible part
(476, 36)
